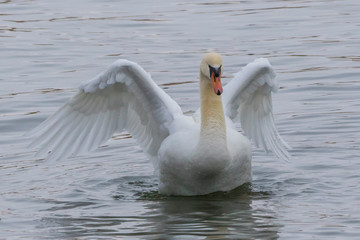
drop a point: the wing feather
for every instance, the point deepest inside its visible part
(249, 97)
(122, 97)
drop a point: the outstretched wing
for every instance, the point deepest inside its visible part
(122, 97)
(248, 96)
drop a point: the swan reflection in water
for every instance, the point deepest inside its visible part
(239, 214)
(219, 215)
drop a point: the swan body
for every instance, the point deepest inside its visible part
(191, 155)
(187, 168)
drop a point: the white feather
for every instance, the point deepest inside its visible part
(123, 96)
(249, 96)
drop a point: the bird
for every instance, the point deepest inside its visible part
(191, 155)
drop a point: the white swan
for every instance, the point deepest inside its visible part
(191, 155)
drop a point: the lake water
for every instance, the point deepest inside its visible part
(49, 47)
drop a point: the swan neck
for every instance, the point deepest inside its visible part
(212, 114)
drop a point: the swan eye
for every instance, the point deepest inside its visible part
(216, 71)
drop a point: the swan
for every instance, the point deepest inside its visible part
(192, 155)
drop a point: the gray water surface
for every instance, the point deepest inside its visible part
(49, 47)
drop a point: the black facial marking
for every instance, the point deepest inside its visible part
(216, 71)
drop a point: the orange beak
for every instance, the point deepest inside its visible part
(216, 82)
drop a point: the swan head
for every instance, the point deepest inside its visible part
(211, 67)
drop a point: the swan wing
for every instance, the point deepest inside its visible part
(248, 96)
(123, 97)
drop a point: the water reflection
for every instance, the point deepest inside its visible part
(240, 214)
(214, 216)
